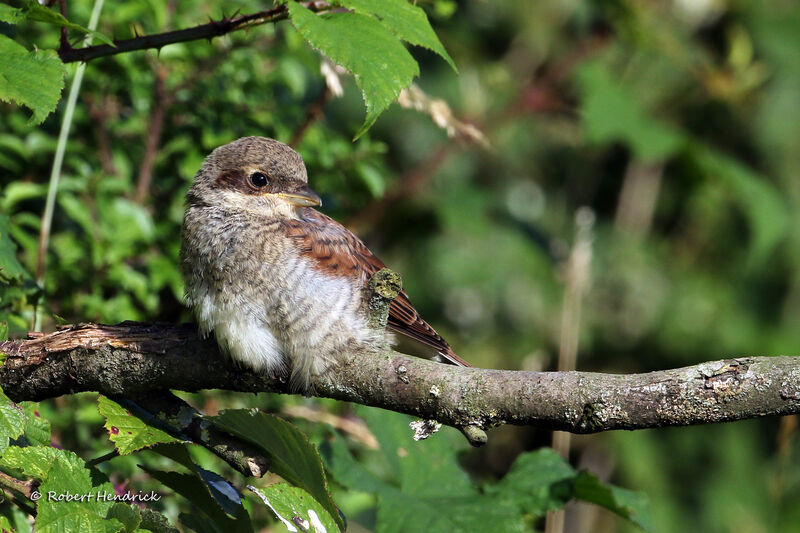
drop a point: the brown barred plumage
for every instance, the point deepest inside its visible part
(276, 281)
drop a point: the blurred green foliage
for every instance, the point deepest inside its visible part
(423, 488)
(674, 122)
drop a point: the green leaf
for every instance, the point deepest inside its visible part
(372, 178)
(155, 522)
(532, 483)
(198, 523)
(293, 505)
(405, 20)
(126, 431)
(33, 79)
(399, 512)
(135, 518)
(19, 191)
(428, 468)
(202, 483)
(610, 113)
(379, 62)
(626, 503)
(346, 470)
(127, 514)
(762, 204)
(10, 14)
(40, 13)
(88, 515)
(12, 421)
(76, 210)
(37, 428)
(433, 509)
(32, 461)
(178, 452)
(19, 520)
(427, 490)
(291, 455)
(69, 502)
(10, 268)
(223, 492)
(543, 481)
(191, 487)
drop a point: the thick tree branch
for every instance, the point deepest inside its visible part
(133, 359)
(203, 31)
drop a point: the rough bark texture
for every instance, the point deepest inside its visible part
(132, 359)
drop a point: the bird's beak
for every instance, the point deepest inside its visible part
(302, 197)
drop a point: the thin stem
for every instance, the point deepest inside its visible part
(62, 4)
(17, 485)
(203, 31)
(577, 276)
(103, 458)
(55, 173)
(312, 115)
(26, 508)
(162, 99)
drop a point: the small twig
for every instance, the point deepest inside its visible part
(413, 97)
(62, 4)
(474, 435)
(312, 115)
(407, 185)
(55, 172)
(13, 488)
(179, 419)
(356, 428)
(162, 99)
(787, 431)
(577, 276)
(103, 458)
(28, 509)
(100, 113)
(23, 487)
(203, 31)
(638, 197)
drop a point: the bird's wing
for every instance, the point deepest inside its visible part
(336, 250)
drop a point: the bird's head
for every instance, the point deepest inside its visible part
(255, 174)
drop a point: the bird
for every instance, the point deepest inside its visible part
(281, 285)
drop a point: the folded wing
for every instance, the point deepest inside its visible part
(337, 251)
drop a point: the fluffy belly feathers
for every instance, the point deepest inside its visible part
(304, 320)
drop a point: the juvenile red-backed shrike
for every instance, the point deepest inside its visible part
(279, 283)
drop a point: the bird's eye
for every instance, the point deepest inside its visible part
(259, 179)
